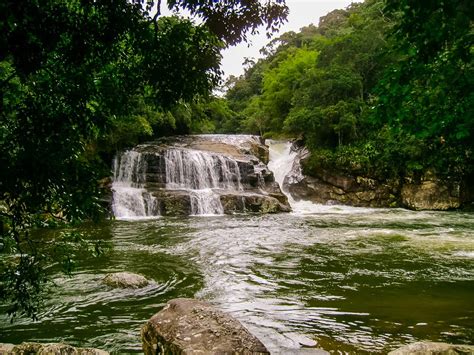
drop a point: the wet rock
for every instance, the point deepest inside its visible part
(258, 203)
(173, 202)
(188, 326)
(332, 186)
(48, 349)
(202, 169)
(337, 187)
(125, 280)
(6, 348)
(431, 194)
(426, 348)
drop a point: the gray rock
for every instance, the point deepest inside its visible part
(48, 349)
(173, 202)
(246, 152)
(427, 348)
(125, 280)
(330, 185)
(6, 348)
(188, 326)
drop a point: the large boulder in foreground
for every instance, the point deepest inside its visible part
(48, 349)
(426, 348)
(125, 280)
(189, 326)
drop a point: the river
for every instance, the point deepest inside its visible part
(345, 279)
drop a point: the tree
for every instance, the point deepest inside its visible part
(316, 82)
(74, 73)
(427, 95)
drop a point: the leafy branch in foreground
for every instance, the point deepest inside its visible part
(74, 73)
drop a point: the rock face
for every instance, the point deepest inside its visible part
(48, 349)
(431, 194)
(125, 280)
(334, 187)
(188, 326)
(427, 348)
(325, 186)
(195, 175)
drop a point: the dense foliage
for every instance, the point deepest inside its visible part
(383, 88)
(79, 78)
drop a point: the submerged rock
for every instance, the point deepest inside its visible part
(427, 348)
(48, 349)
(125, 280)
(188, 326)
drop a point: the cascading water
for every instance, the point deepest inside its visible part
(130, 198)
(201, 173)
(197, 170)
(282, 160)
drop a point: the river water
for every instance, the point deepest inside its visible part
(347, 280)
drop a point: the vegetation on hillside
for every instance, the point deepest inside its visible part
(382, 88)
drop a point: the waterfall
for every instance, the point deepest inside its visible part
(197, 170)
(282, 159)
(130, 198)
(281, 162)
(201, 174)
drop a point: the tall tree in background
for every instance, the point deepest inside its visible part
(316, 82)
(72, 72)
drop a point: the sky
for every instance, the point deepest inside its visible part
(302, 13)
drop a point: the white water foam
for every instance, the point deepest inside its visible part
(201, 173)
(464, 254)
(130, 199)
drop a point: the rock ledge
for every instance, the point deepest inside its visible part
(48, 349)
(427, 348)
(188, 326)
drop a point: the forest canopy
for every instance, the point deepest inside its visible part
(382, 88)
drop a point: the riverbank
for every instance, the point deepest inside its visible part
(311, 178)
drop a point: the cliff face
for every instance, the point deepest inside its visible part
(332, 186)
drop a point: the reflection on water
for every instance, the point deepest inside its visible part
(343, 279)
